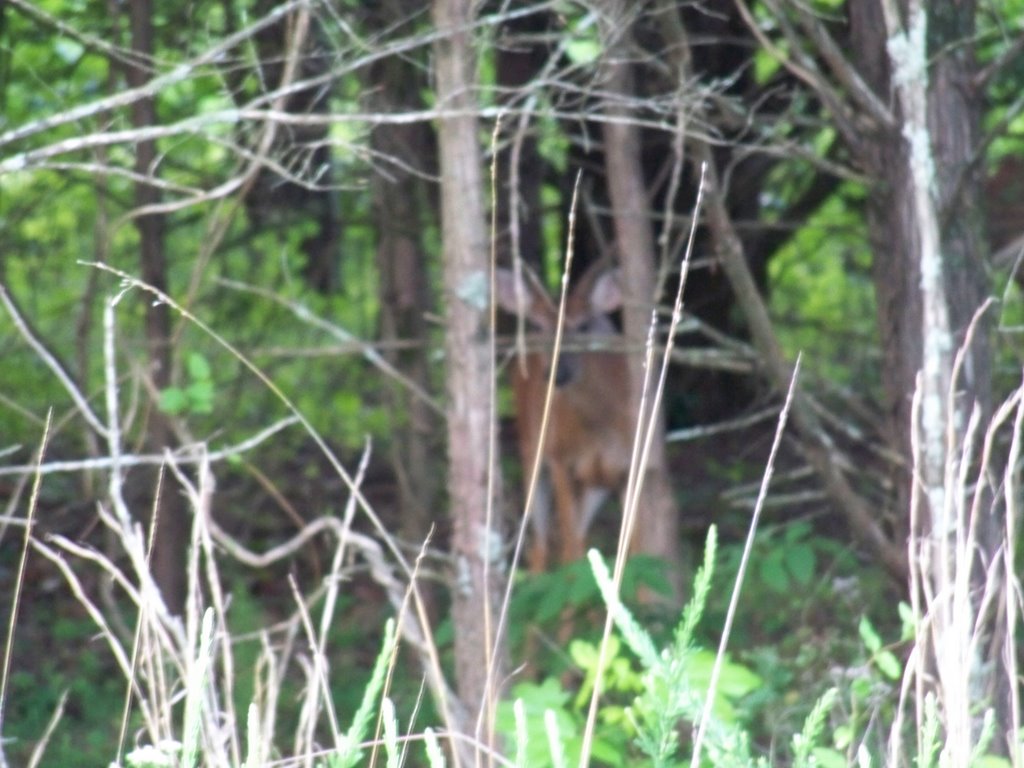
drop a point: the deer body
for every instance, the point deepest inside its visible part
(587, 447)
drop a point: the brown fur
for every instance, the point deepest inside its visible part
(588, 444)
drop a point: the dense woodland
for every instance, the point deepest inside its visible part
(293, 291)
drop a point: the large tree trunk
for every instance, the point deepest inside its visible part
(472, 479)
(930, 281)
(891, 223)
(656, 530)
(172, 523)
(895, 224)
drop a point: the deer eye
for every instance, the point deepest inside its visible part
(566, 370)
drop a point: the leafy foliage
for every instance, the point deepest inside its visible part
(237, 249)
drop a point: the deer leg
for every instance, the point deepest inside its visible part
(540, 525)
(570, 542)
(593, 499)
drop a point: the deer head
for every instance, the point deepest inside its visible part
(586, 450)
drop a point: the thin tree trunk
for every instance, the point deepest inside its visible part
(400, 205)
(472, 479)
(171, 541)
(657, 524)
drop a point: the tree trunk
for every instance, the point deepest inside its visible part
(891, 223)
(399, 200)
(472, 479)
(657, 526)
(930, 281)
(169, 547)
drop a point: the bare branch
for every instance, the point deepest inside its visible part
(842, 69)
(178, 74)
(52, 363)
(799, 65)
(185, 455)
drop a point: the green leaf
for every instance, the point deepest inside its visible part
(549, 605)
(908, 623)
(828, 758)
(197, 366)
(868, 636)
(583, 51)
(801, 562)
(842, 736)
(173, 400)
(765, 65)
(773, 572)
(582, 589)
(735, 680)
(861, 688)
(200, 397)
(888, 665)
(604, 752)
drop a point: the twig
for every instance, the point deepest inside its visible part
(40, 748)
(184, 455)
(52, 363)
(748, 546)
(369, 352)
(697, 433)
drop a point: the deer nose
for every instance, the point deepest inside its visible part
(566, 370)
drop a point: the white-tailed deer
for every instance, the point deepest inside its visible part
(587, 446)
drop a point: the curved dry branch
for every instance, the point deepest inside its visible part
(185, 455)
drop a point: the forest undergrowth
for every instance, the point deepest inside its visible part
(216, 687)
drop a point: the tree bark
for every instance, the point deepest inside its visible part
(399, 201)
(894, 242)
(171, 520)
(930, 282)
(656, 529)
(472, 479)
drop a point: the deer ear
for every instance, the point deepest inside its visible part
(510, 294)
(606, 293)
(523, 296)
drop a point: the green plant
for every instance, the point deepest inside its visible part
(197, 395)
(670, 692)
(73, 677)
(645, 693)
(349, 752)
(546, 601)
